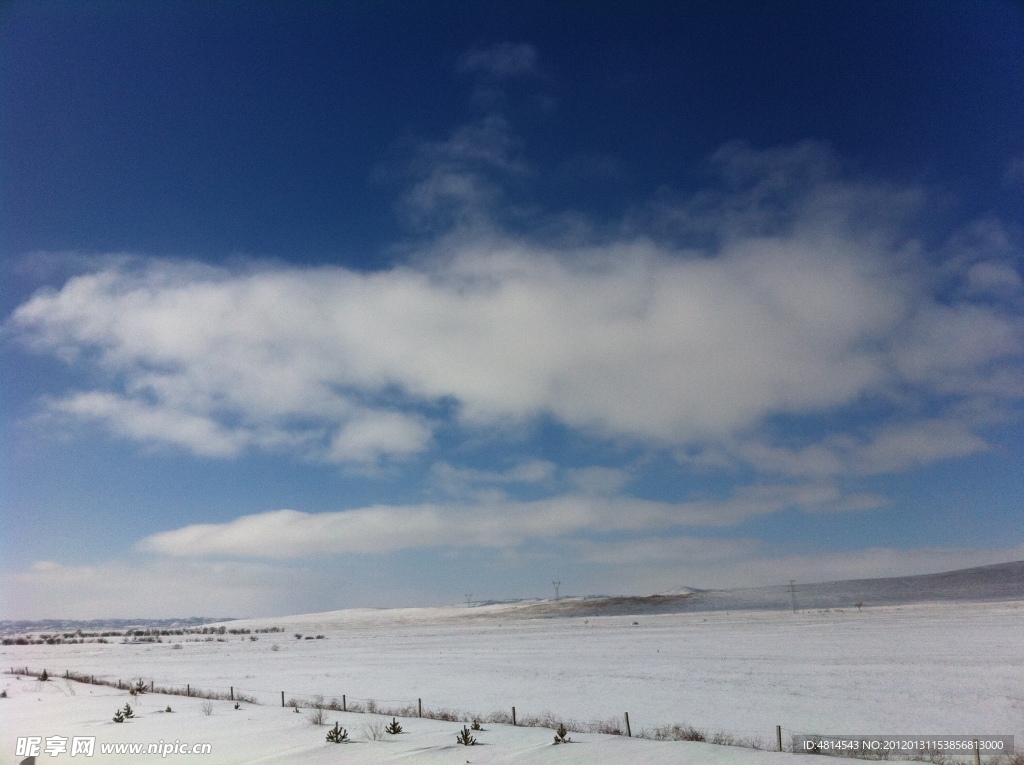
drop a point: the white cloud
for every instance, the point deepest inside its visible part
(373, 434)
(599, 480)
(141, 421)
(454, 183)
(287, 534)
(994, 278)
(889, 449)
(801, 307)
(458, 481)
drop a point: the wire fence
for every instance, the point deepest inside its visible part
(781, 741)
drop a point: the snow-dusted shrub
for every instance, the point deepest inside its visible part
(465, 737)
(394, 727)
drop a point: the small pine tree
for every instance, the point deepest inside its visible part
(118, 716)
(128, 711)
(337, 734)
(139, 688)
(394, 728)
(238, 705)
(44, 676)
(465, 737)
(562, 735)
(476, 725)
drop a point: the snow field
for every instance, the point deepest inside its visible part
(937, 669)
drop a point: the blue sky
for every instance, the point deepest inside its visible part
(317, 305)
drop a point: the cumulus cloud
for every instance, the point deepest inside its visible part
(797, 305)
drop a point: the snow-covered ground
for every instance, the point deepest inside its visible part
(922, 669)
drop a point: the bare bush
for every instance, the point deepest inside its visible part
(376, 730)
(316, 716)
(207, 707)
(612, 727)
(449, 715)
(674, 733)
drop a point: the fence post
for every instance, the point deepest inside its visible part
(419, 704)
(778, 736)
(628, 731)
(344, 705)
(232, 693)
(513, 716)
(152, 686)
(188, 689)
(282, 698)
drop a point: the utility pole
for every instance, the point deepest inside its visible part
(792, 593)
(557, 585)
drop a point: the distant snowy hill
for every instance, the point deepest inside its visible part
(682, 591)
(1001, 582)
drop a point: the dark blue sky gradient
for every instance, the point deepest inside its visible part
(268, 129)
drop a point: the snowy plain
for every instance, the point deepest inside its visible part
(939, 668)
